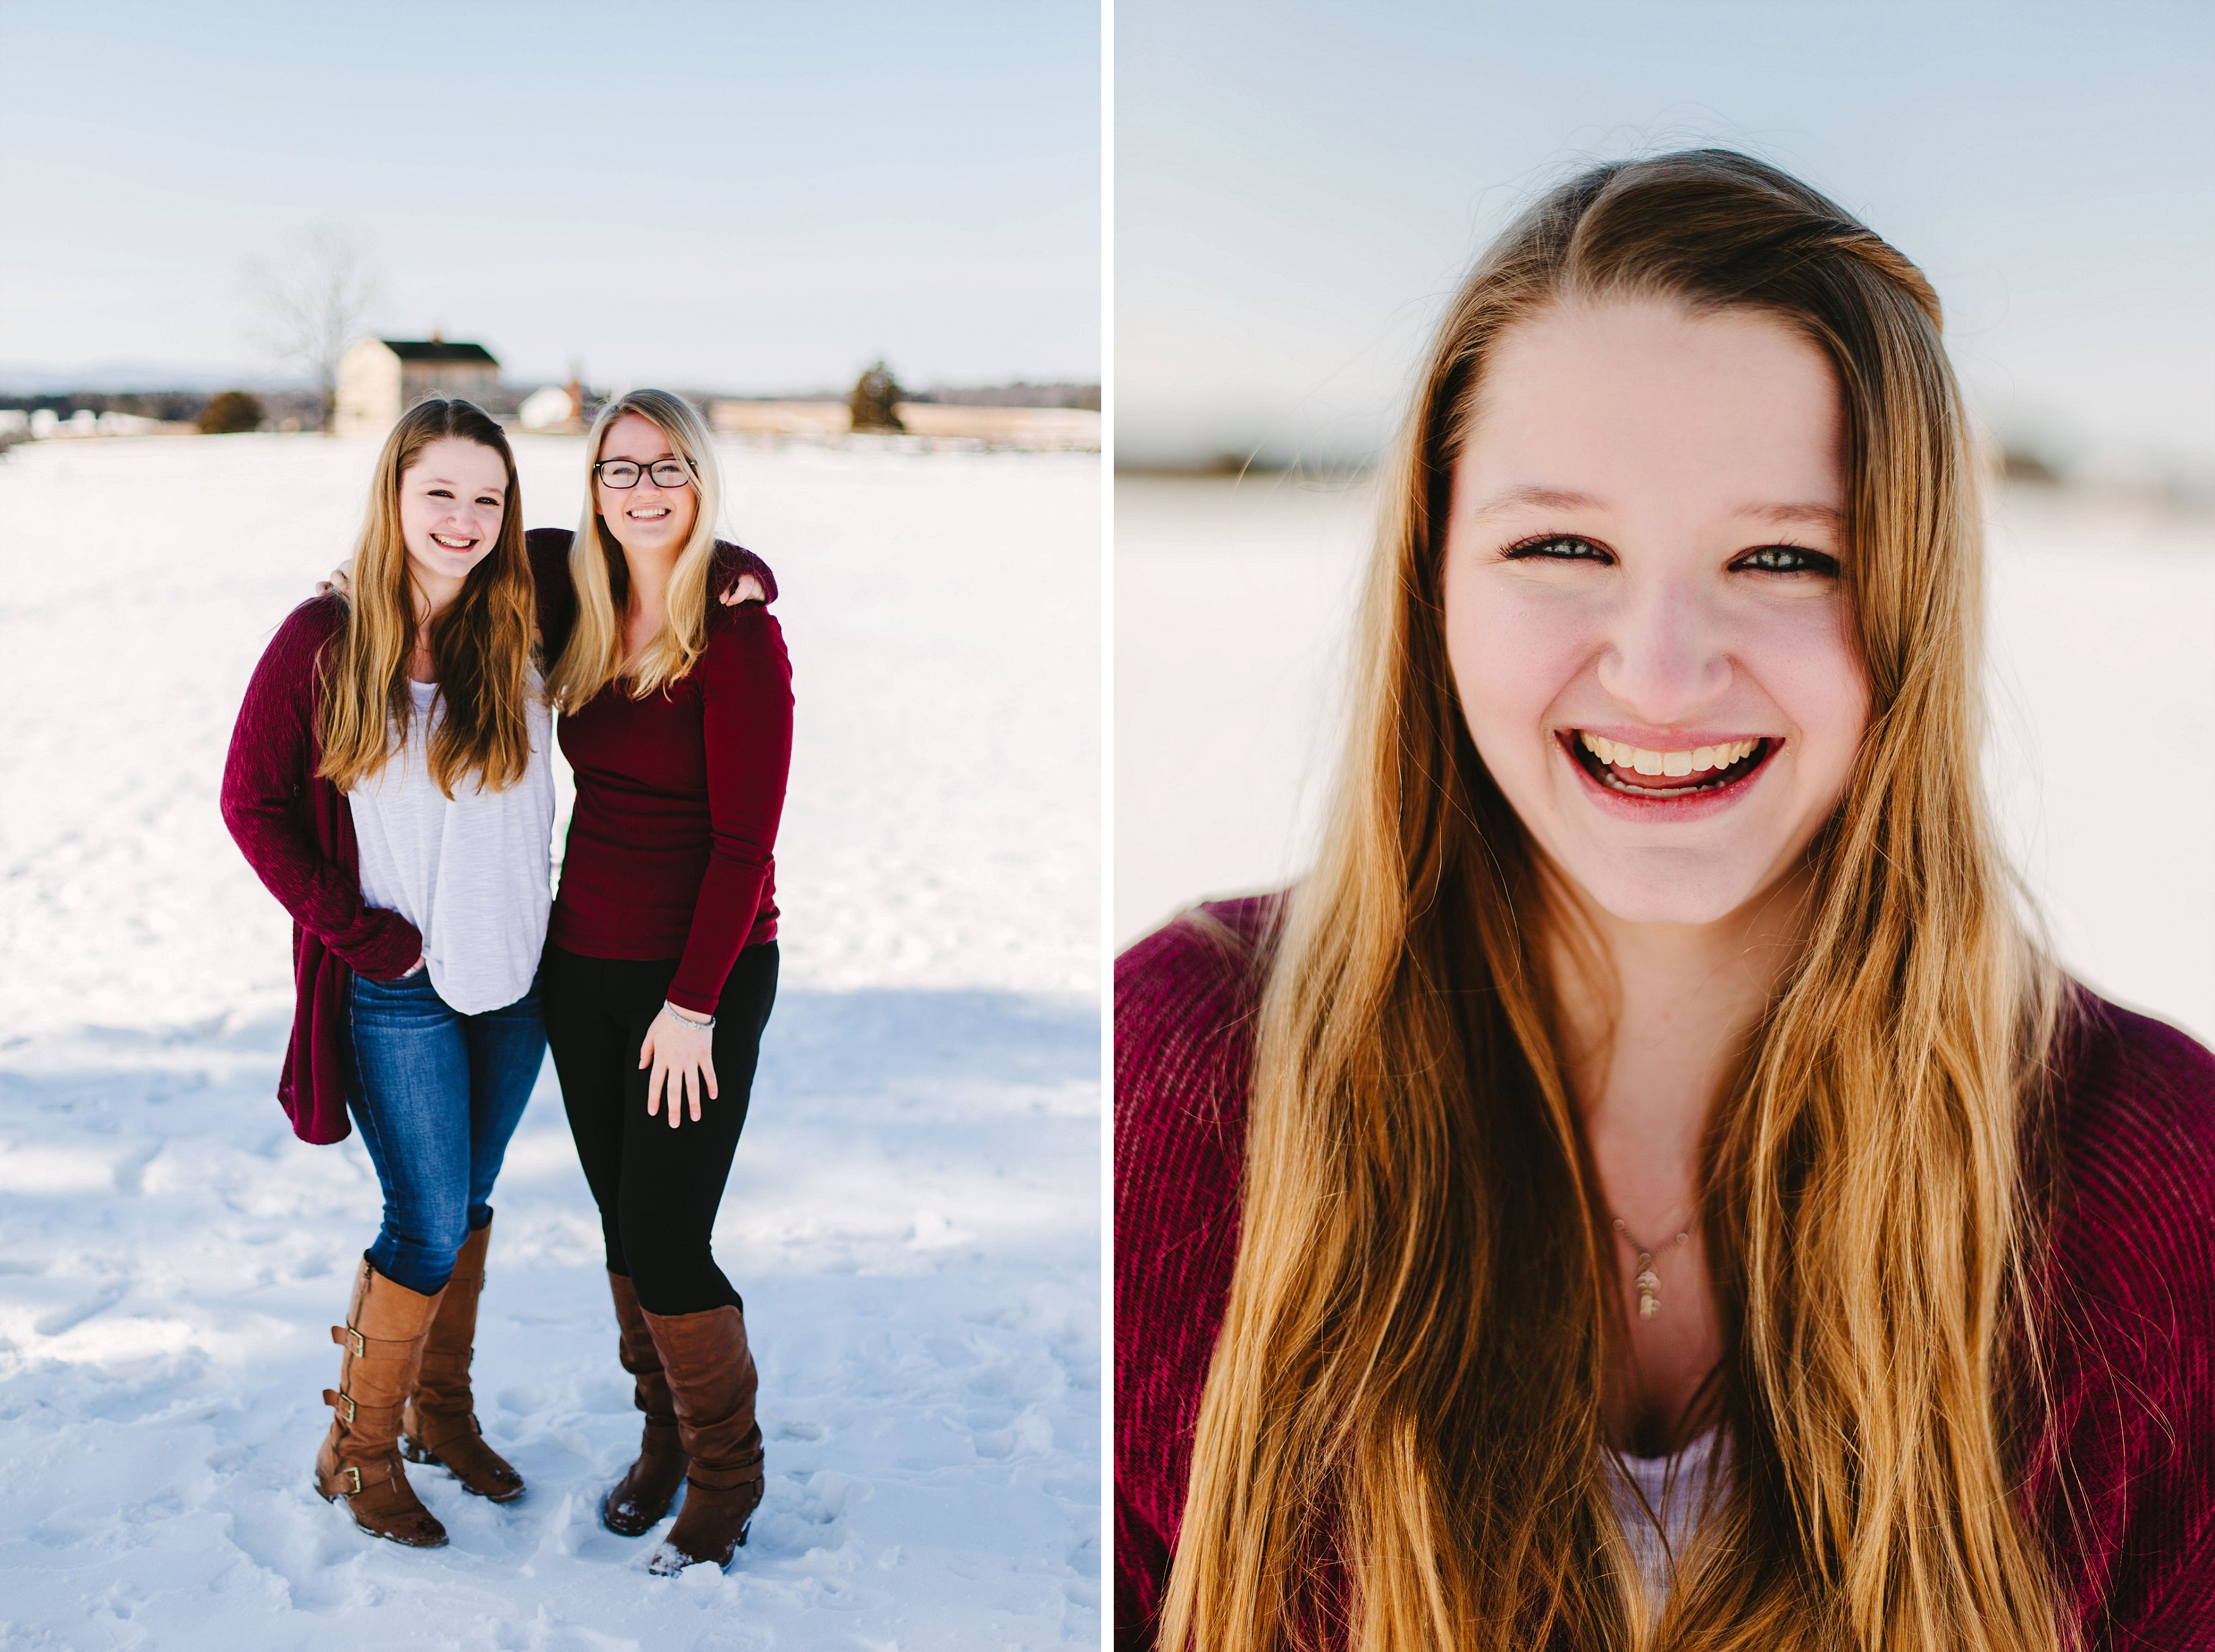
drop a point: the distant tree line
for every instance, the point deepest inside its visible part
(967, 396)
(183, 407)
(1017, 394)
(302, 407)
(877, 393)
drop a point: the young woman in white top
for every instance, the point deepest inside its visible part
(389, 779)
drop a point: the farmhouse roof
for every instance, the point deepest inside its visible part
(435, 350)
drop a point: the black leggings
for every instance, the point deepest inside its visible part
(657, 1187)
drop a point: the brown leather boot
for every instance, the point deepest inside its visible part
(440, 1423)
(635, 1503)
(382, 1337)
(711, 1382)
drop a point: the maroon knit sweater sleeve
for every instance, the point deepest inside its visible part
(2124, 1485)
(1184, 1004)
(549, 551)
(265, 803)
(746, 716)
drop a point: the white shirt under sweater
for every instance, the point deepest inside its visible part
(1674, 1491)
(472, 872)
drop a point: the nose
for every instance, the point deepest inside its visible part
(1664, 658)
(465, 520)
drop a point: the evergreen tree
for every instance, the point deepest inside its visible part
(874, 403)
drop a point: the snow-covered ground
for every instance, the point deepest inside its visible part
(913, 1215)
(1231, 606)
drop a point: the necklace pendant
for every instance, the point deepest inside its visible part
(1647, 1282)
(1648, 1285)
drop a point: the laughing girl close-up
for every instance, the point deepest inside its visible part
(1648, 1184)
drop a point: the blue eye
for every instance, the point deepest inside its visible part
(1788, 559)
(1557, 547)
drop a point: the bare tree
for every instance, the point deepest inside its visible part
(307, 304)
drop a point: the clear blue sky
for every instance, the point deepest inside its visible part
(1299, 185)
(720, 193)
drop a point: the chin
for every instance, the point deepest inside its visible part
(1661, 887)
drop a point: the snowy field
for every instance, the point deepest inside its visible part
(1232, 600)
(913, 1215)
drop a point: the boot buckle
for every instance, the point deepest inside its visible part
(352, 1339)
(354, 1474)
(346, 1415)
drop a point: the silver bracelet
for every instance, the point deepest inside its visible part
(678, 1016)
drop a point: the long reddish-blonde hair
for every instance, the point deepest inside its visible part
(480, 645)
(1410, 1371)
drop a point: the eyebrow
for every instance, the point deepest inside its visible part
(1568, 499)
(1822, 516)
(1552, 499)
(448, 481)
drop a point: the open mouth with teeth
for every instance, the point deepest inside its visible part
(443, 542)
(1655, 777)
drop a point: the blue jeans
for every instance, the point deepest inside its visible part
(437, 1094)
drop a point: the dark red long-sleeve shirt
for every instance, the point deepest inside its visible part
(2133, 1427)
(669, 852)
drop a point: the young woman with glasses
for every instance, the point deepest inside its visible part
(1646, 1187)
(676, 715)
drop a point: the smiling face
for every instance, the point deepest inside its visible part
(1647, 632)
(647, 520)
(452, 500)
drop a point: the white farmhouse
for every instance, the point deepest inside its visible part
(553, 408)
(380, 379)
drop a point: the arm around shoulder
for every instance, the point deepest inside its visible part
(733, 563)
(554, 593)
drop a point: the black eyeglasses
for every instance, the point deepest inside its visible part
(625, 473)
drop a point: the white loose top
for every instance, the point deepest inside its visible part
(1659, 1502)
(471, 871)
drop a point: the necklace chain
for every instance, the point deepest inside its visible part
(1648, 1282)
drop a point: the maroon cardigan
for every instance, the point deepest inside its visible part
(2133, 1259)
(295, 830)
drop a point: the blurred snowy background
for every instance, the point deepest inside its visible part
(1299, 188)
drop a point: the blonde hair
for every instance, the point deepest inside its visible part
(1409, 1376)
(480, 645)
(593, 656)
